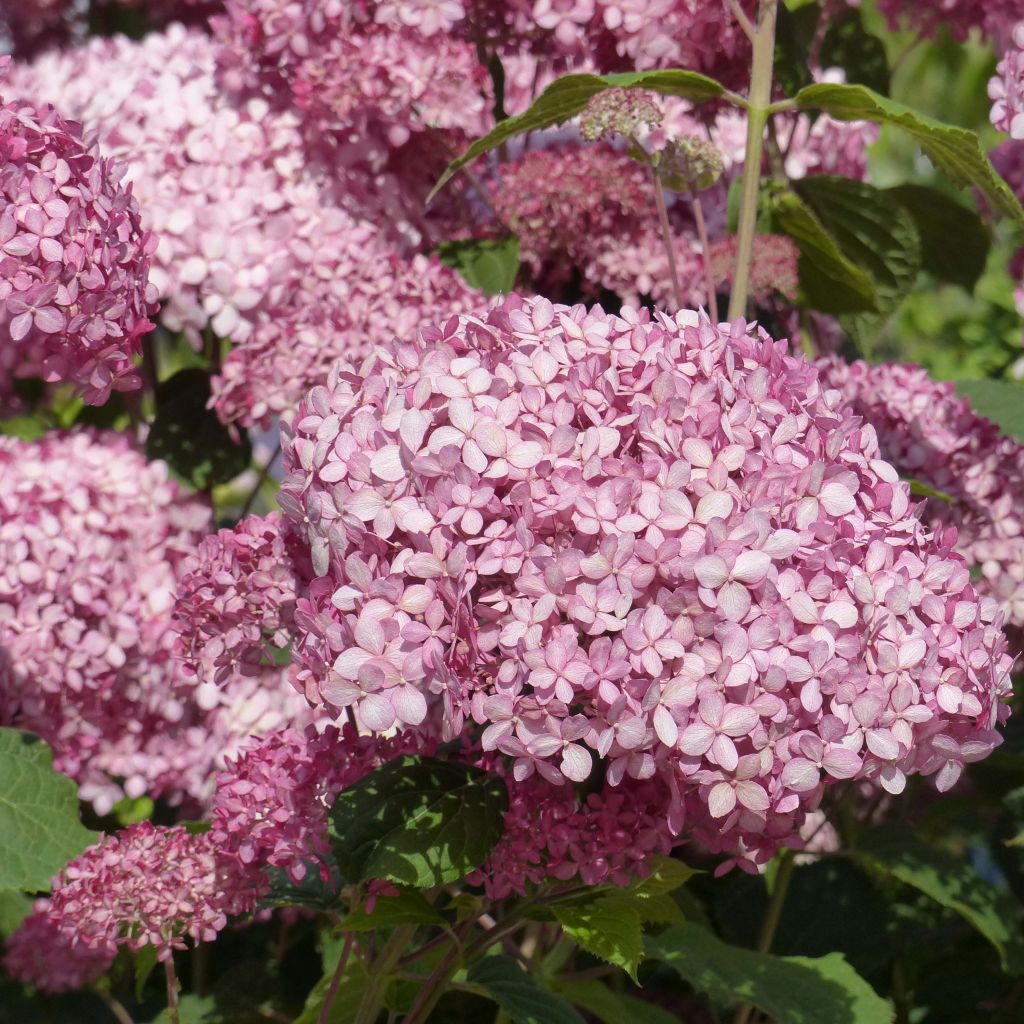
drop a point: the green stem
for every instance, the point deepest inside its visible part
(705, 245)
(666, 236)
(339, 972)
(172, 991)
(757, 117)
(771, 918)
(434, 987)
(379, 974)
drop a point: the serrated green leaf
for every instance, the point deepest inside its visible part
(418, 821)
(40, 830)
(1000, 401)
(939, 219)
(955, 151)
(608, 927)
(569, 95)
(490, 264)
(198, 449)
(14, 908)
(612, 1007)
(790, 990)
(848, 45)
(408, 907)
(951, 882)
(829, 281)
(522, 997)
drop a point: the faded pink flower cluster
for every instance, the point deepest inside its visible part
(1006, 89)
(931, 435)
(646, 548)
(74, 261)
(994, 18)
(147, 886)
(774, 266)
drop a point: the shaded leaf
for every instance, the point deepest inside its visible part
(569, 95)
(313, 890)
(955, 151)
(490, 264)
(522, 997)
(794, 34)
(1000, 401)
(418, 821)
(954, 240)
(346, 999)
(40, 830)
(612, 1007)
(848, 45)
(791, 990)
(408, 907)
(608, 928)
(951, 882)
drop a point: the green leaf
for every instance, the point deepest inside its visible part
(313, 890)
(608, 928)
(24, 428)
(143, 963)
(569, 95)
(952, 883)
(794, 34)
(131, 810)
(790, 990)
(829, 281)
(1000, 401)
(939, 220)
(409, 907)
(40, 830)
(955, 151)
(612, 1007)
(922, 490)
(14, 908)
(192, 1009)
(418, 821)
(490, 264)
(196, 446)
(523, 998)
(848, 45)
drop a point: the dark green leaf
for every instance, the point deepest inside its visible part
(187, 435)
(951, 882)
(408, 907)
(794, 34)
(418, 821)
(954, 240)
(608, 928)
(40, 830)
(569, 95)
(143, 963)
(1000, 401)
(311, 891)
(612, 1007)
(848, 45)
(790, 990)
(955, 151)
(490, 264)
(192, 1009)
(523, 998)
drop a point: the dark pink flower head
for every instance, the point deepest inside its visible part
(1006, 88)
(40, 954)
(74, 261)
(148, 886)
(687, 557)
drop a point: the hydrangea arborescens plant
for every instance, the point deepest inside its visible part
(442, 516)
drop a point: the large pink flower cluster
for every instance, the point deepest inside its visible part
(646, 548)
(931, 435)
(40, 954)
(74, 261)
(147, 886)
(271, 803)
(1006, 88)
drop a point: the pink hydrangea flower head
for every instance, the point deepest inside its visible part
(74, 260)
(40, 954)
(774, 267)
(1006, 88)
(148, 886)
(994, 18)
(650, 548)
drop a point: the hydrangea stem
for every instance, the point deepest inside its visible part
(172, 991)
(705, 246)
(380, 974)
(666, 236)
(339, 973)
(757, 117)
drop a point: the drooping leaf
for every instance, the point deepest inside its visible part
(190, 438)
(608, 928)
(849, 45)
(408, 907)
(954, 240)
(956, 152)
(40, 830)
(1000, 401)
(418, 821)
(952, 883)
(521, 996)
(612, 1007)
(790, 990)
(829, 281)
(490, 264)
(569, 95)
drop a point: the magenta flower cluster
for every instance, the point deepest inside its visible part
(643, 548)
(994, 18)
(74, 260)
(1006, 88)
